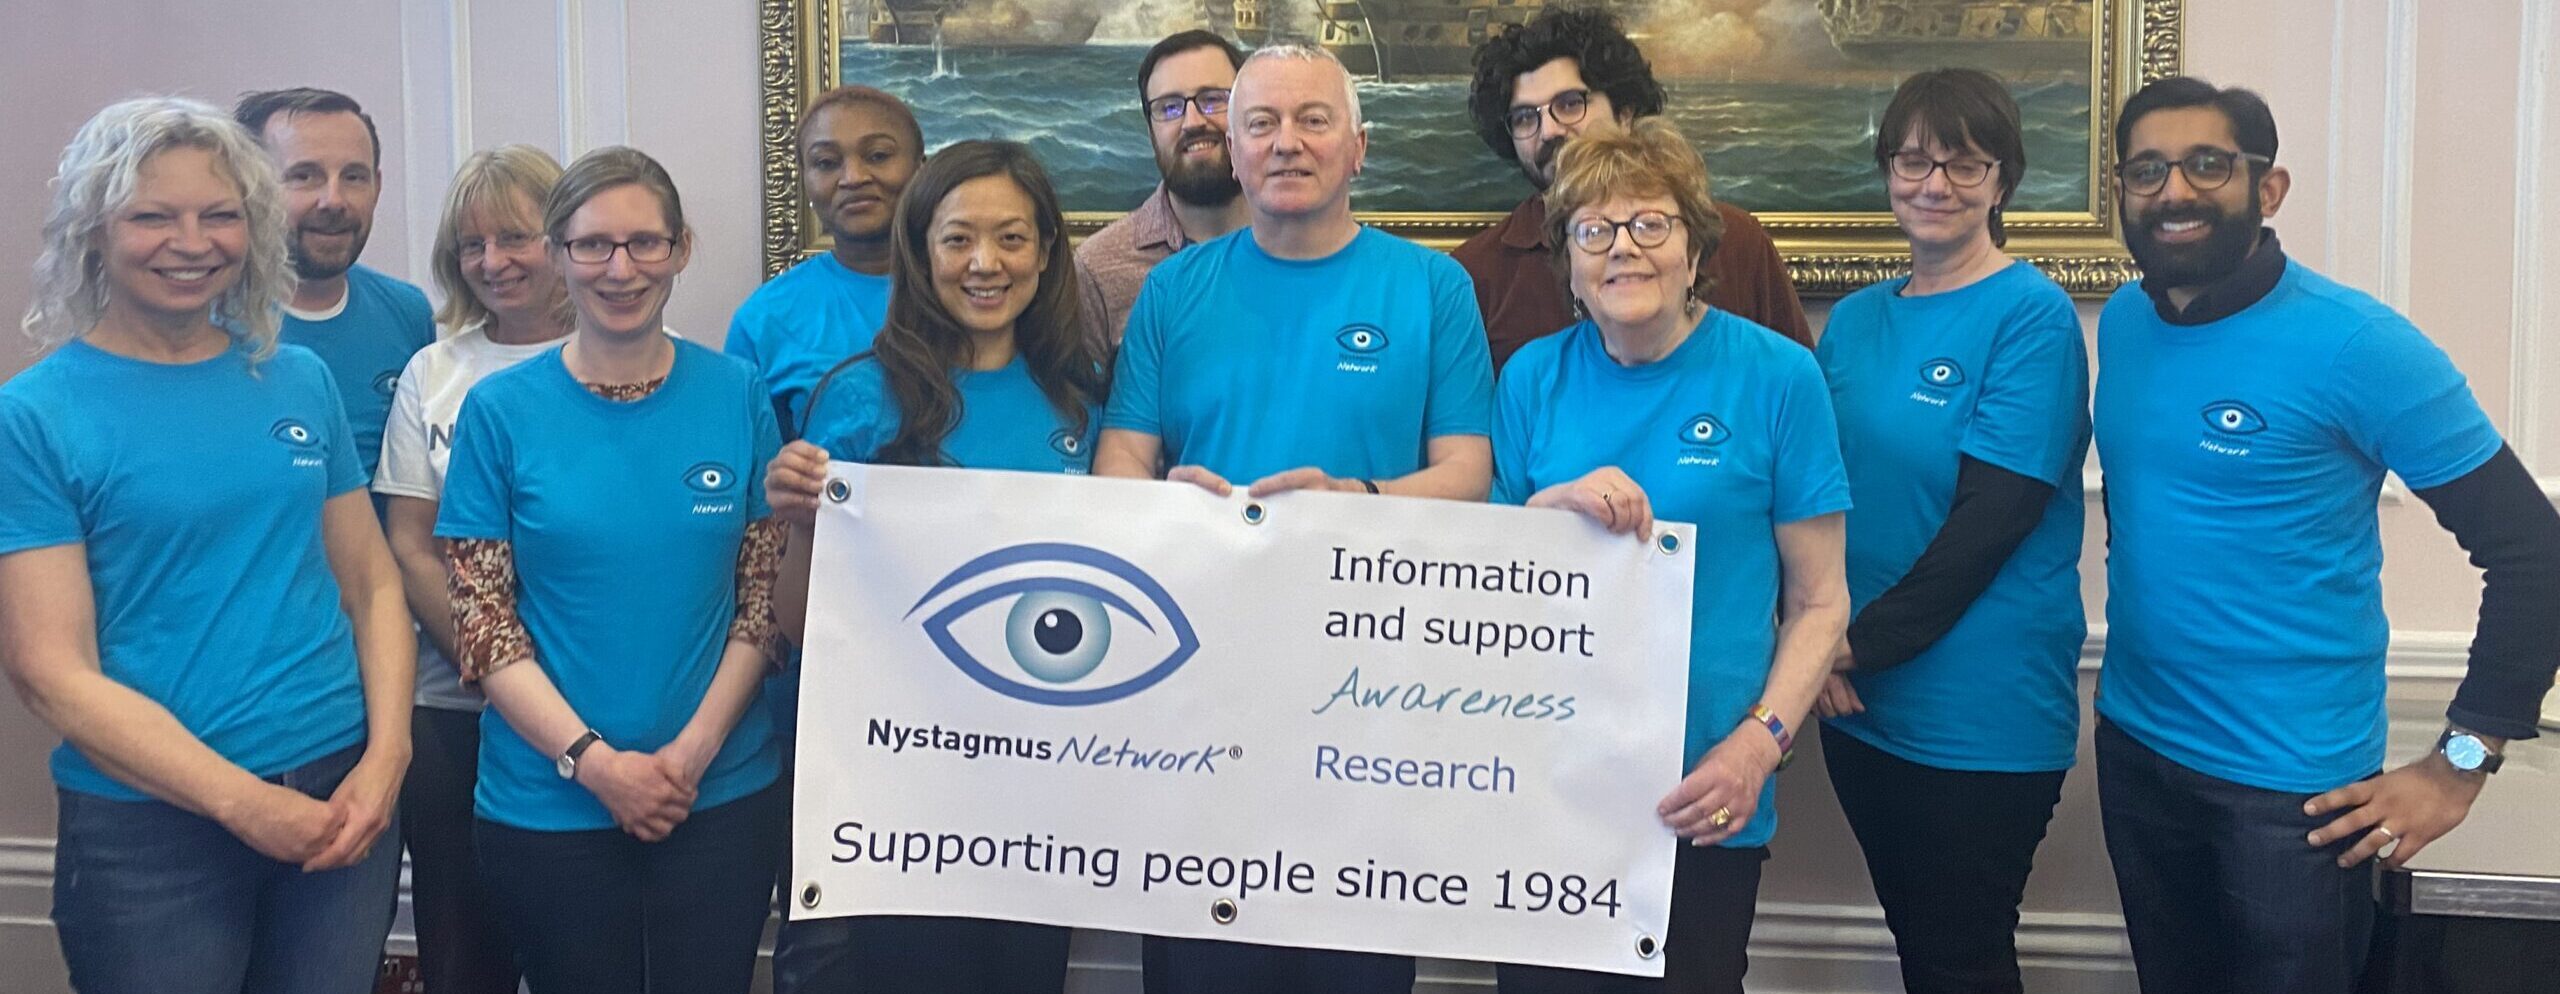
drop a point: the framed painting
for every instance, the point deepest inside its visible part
(1782, 96)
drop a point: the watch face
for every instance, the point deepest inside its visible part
(2467, 753)
(568, 768)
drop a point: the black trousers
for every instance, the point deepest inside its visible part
(461, 950)
(1714, 893)
(1211, 966)
(1949, 851)
(600, 912)
(906, 954)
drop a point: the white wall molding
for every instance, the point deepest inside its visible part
(595, 70)
(435, 118)
(2399, 151)
(2525, 354)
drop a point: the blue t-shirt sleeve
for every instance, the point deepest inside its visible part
(1461, 399)
(478, 482)
(2034, 405)
(2403, 405)
(1136, 374)
(845, 420)
(417, 317)
(1513, 412)
(1808, 478)
(35, 483)
(768, 443)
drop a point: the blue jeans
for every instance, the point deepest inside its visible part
(2221, 892)
(151, 899)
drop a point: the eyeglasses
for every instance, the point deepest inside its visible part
(1649, 229)
(1168, 109)
(2206, 169)
(1567, 108)
(1914, 167)
(509, 242)
(641, 248)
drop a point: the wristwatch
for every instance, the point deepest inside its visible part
(2468, 752)
(566, 764)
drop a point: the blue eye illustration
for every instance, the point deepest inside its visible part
(1058, 630)
(1941, 373)
(1065, 443)
(387, 382)
(292, 432)
(2232, 417)
(709, 477)
(1702, 430)
(1361, 338)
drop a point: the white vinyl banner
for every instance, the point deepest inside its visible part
(1324, 720)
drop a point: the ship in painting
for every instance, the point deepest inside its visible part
(1393, 39)
(981, 23)
(1922, 33)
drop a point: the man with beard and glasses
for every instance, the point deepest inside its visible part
(1573, 71)
(1183, 87)
(2247, 409)
(364, 325)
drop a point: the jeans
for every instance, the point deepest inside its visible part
(150, 899)
(600, 912)
(1215, 966)
(461, 950)
(1715, 892)
(2221, 892)
(902, 954)
(1949, 851)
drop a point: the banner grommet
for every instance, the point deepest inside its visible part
(809, 895)
(1668, 542)
(1254, 514)
(1223, 911)
(1647, 947)
(839, 491)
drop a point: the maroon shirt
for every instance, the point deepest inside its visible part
(1517, 289)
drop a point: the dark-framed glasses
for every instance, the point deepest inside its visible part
(1649, 229)
(1915, 167)
(1168, 109)
(1567, 108)
(2206, 169)
(651, 247)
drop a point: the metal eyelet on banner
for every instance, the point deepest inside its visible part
(1254, 514)
(1667, 542)
(839, 491)
(1646, 947)
(809, 895)
(1223, 911)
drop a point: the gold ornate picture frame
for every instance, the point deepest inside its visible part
(1033, 69)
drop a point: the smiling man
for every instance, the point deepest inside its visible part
(1307, 352)
(1184, 86)
(364, 325)
(1573, 71)
(2247, 409)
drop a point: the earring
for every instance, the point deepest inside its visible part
(1579, 313)
(1690, 304)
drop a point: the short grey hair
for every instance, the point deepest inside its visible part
(1310, 53)
(96, 178)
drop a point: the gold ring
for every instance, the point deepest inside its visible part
(2387, 832)
(1722, 817)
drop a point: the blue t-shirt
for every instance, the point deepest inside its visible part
(1732, 432)
(801, 324)
(2244, 458)
(1996, 371)
(197, 490)
(1005, 421)
(367, 341)
(1250, 365)
(625, 518)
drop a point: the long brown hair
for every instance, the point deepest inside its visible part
(920, 345)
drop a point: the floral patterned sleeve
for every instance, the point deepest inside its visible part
(483, 587)
(759, 559)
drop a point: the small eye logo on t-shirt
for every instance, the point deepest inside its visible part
(2228, 422)
(1937, 377)
(1360, 344)
(713, 486)
(1699, 438)
(1066, 443)
(386, 383)
(299, 439)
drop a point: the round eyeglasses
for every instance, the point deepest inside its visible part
(2206, 169)
(1168, 109)
(1567, 108)
(1649, 229)
(1915, 167)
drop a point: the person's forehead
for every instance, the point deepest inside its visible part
(2177, 130)
(1189, 69)
(1554, 76)
(854, 121)
(1290, 84)
(314, 131)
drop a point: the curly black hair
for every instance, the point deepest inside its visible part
(1591, 36)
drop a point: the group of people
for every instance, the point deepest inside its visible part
(306, 574)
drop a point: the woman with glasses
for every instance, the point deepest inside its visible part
(612, 565)
(1656, 405)
(503, 304)
(1963, 395)
(193, 591)
(983, 363)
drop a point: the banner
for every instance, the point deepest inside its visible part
(1324, 720)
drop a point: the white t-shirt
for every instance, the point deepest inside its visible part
(417, 443)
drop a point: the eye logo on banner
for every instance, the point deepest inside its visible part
(1062, 632)
(2232, 417)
